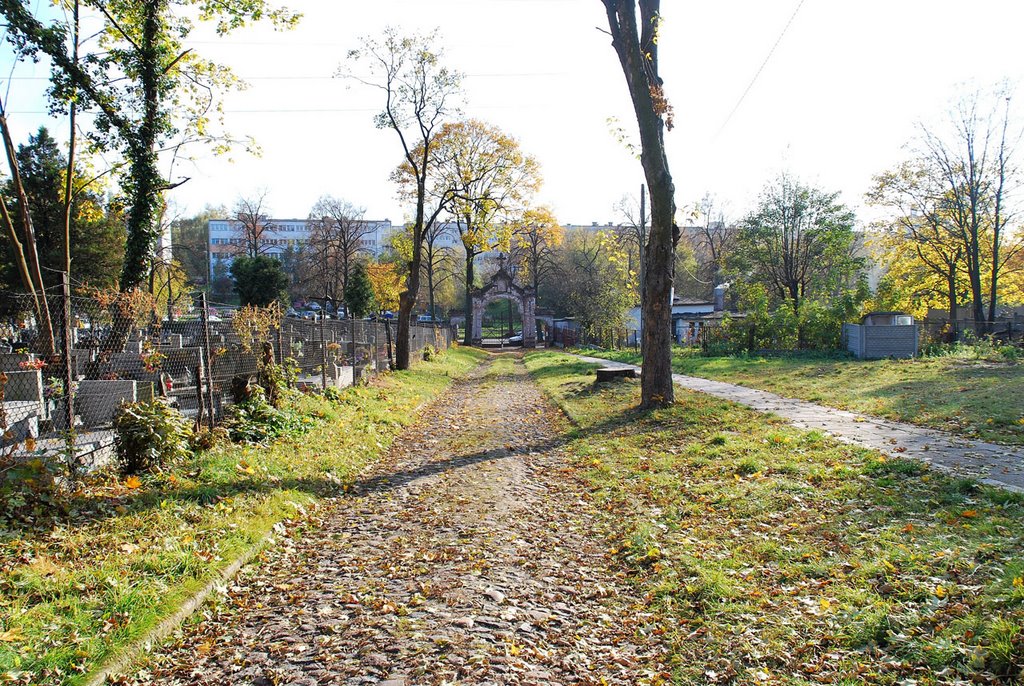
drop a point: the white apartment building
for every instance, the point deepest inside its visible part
(226, 241)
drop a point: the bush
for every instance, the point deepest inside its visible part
(150, 435)
(333, 394)
(257, 421)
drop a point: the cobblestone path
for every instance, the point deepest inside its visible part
(470, 555)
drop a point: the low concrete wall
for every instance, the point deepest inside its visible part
(879, 342)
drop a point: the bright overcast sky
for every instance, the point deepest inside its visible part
(834, 104)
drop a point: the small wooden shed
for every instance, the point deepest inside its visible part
(882, 334)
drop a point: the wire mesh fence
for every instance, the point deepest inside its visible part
(67, 367)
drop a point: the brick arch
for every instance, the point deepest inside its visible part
(501, 286)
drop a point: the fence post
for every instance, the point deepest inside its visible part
(323, 350)
(280, 342)
(200, 410)
(69, 374)
(387, 334)
(352, 345)
(204, 318)
(376, 348)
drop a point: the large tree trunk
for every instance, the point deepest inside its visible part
(953, 313)
(637, 51)
(406, 303)
(467, 337)
(430, 282)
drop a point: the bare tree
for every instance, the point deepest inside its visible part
(337, 237)
(713, 238)
(633, 232)
(636, 44)
(438, 264)
(252, 224)
(418, 92)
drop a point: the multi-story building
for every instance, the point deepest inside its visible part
(227, 241)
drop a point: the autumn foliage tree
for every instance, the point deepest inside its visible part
(484, 179)
(536, 236)
(957, 200)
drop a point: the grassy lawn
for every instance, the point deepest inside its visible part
(780, 556)
(127, 554)
(971, 397)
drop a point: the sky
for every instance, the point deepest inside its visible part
(830, 92)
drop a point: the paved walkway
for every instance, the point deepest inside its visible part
(990, 463)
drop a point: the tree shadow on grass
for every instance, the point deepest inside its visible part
(90, 510)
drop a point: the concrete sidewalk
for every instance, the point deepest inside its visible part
(989, 463)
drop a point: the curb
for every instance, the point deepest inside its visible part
(126, 656)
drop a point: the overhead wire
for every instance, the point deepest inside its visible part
(760, 69)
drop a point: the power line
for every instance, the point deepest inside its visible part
(331, 78)
(761, 68)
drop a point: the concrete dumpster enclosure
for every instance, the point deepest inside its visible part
(881, 335)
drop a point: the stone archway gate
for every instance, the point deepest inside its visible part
(502, 286)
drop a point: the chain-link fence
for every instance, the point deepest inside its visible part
(66, 368)
(942, 330)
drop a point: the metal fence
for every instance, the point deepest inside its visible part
(61, 384)
(943, 330)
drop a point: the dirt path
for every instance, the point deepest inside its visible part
(469, 556)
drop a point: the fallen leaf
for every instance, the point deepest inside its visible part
(11, 635)
(133, 482)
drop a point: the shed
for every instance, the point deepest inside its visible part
(882, 334)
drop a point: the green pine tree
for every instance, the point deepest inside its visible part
(359, 292)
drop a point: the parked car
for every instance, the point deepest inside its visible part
(517, 337)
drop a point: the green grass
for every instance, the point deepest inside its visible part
(74, 593)
(768, 554)
(970, 397)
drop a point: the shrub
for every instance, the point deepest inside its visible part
(150, 435)
(257, 421)
(429, 353)
(333, 394)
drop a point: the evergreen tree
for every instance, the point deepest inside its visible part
(97, 225)
(258, 280)
(359, 292)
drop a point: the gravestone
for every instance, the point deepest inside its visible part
(99, 399)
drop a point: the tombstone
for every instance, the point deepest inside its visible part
(133, 347)
(174, 340)
(99, 399)
(12, 361)
(24, 385)
(23, 404)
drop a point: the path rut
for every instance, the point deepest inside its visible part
(470, 555)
